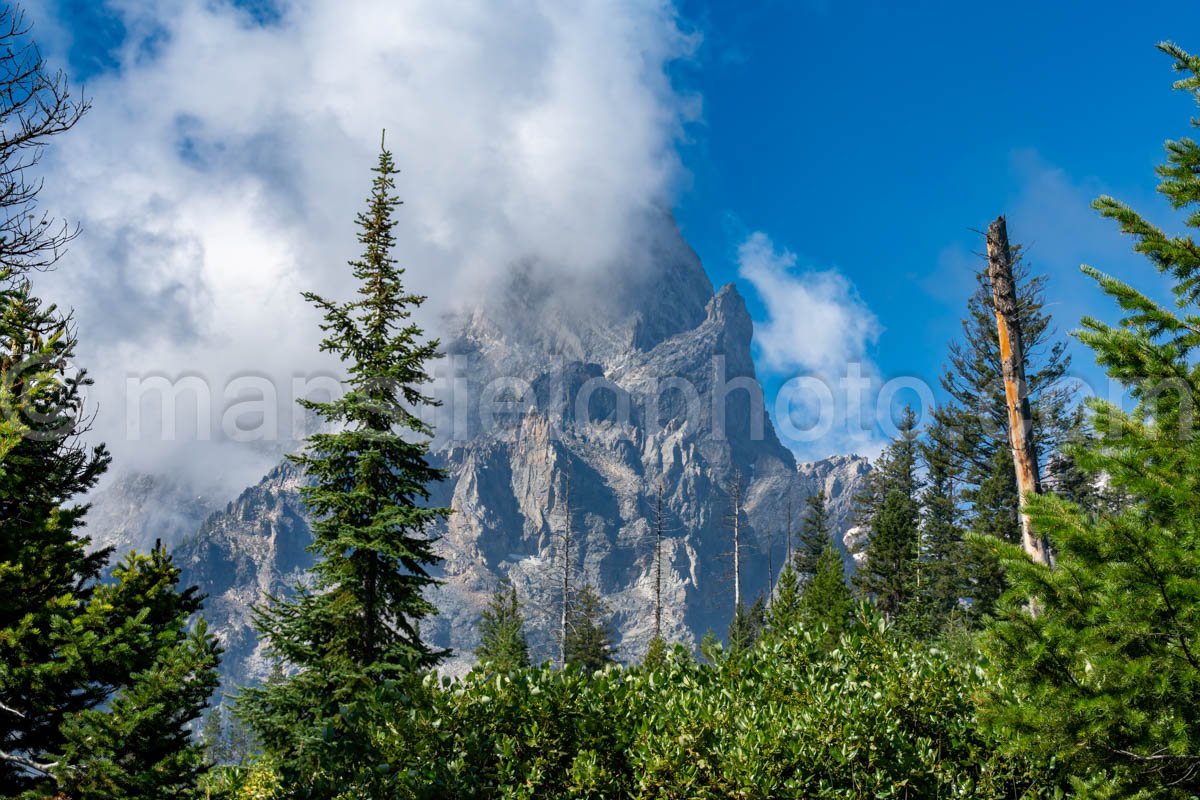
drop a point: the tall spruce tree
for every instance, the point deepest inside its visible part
(783, 613)
(814, 535)
(1106, 677)
(98, 678)
(746, 625)
(825, 604)
(357, 621)
(502, 643)
(974, 421)
(890, 507)
(591, 642)
(945, 574)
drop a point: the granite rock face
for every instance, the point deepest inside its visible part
(609, 395)
(256, 546)
(841, 477)
(136, 510)
(589, 395)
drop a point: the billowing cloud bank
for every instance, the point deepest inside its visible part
(220, 169)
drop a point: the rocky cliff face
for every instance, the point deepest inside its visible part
(135, 510)
(841, 478)
(254, 547)
(591, 395)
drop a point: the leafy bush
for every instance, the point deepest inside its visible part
(877, 716)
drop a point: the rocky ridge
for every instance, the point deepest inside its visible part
(598, 393)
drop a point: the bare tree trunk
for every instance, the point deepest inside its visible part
(789, 531)
(737, 540)
(658, 538)
(1016, 389)
(565, 555)
(770, 564)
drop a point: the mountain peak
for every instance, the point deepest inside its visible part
(624, 384)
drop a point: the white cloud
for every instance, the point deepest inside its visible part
(219, 171)
(816, 322)
(817, 337)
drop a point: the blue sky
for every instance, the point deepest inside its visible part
(856, 146)
(876, 137)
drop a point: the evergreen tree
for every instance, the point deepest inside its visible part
(139, 744)
(656, 653)
(814, 535)
(590, 638)
(974, 423)
(1105, 677)
(746, 626)
(890, 507)
(502, 644)
(995, 514)
(826, 603)
(944, 559)
(976, 418)
(357, 621)
(783, 613)
(212, 734)
(98, 678)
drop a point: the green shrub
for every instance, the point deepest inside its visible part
(876, 716)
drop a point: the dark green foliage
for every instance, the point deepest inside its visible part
(977, 415)
(98, 681)
(1106, 676)
(814, 535)
(139, 744)
(502, 644)
(1064, 477)
(945, 577)
(784, 611)
(995, 509)
(890, 507)
(656, 654)
(746, 625)
(107, 693)
(590, 637)
(226, 740)
(777, 721)
(972, 427)
(357, 622)
(826, 603)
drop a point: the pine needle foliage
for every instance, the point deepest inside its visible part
(99, 676)
(826, 604)
(357, 619)
(1107, 675)
(890, 507)
(502, 643)
(814, 535)
(783, 613)
(591, 641)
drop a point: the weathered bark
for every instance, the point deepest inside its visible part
(770, 564)
(565, 556)
(737, 541)
(1016, 388)
(658, 539)
(788, 534)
